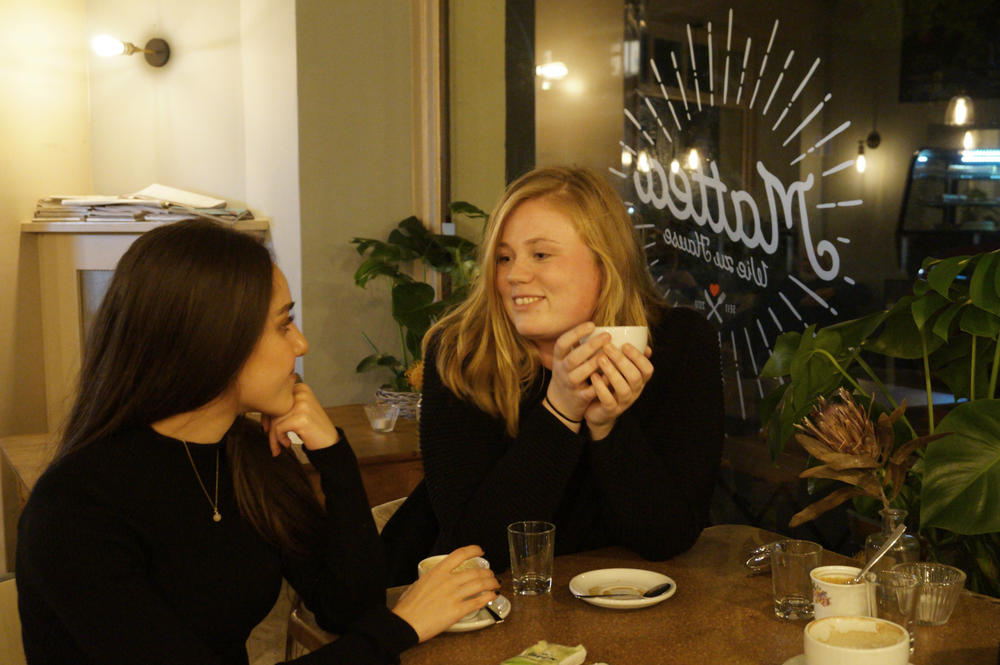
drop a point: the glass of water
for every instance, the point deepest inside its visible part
(791, 562)
(532, 545)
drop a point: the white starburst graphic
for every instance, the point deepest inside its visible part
(717, 224)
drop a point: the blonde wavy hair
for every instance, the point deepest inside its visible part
(480, 355)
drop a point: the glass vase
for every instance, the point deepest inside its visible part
(906, 549)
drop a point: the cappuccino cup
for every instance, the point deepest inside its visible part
(637, 336)
(840, 640)
(836, 594)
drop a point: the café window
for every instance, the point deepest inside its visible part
(766, 151)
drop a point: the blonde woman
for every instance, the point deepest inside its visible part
(525, 419)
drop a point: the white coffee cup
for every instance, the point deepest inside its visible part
(637, 336)
(425, 566)
(841, 640)
(835, 594)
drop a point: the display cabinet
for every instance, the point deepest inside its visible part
(951, 205)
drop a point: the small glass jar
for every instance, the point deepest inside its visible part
(906, 549)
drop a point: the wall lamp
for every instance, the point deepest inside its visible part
(157, 51)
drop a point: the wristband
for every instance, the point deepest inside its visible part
(560, 413)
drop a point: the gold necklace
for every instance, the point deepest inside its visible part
(216, 516)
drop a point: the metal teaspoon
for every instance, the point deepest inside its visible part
(652, 592)
(893, 537)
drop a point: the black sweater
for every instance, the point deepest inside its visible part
(646, 486)
(119, 561)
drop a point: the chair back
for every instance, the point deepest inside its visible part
(11, 649)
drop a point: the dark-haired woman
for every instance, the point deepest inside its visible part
(161, 532)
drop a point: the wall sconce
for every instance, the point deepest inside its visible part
(157, 51)
(860, 163)
(959, 112)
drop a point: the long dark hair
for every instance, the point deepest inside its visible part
(182, 314)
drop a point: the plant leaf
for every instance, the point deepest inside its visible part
(835, 460)
(863, 479)
(900, 337)
(925, 307)
(961, 483)
(780, 362)
(942, 273)
(942, 325)
(467, 209)
(982, 286)
(830, 501)
(977, 321)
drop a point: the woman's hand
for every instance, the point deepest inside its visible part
(623, 374)
(570, 391)
(440, 598)
(306, 418)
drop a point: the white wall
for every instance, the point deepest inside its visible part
(46, 149)
(355, 172)
(181, 124)
(43, 131)
(270, 124)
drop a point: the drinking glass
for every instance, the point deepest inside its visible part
(939, 588)
(791, 562)
(895, 599)
(532, 545)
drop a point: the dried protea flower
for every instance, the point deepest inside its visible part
(856, 451)
(843, 427)
(415, 375)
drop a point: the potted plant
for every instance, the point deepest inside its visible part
(415, 305)
(945, 472)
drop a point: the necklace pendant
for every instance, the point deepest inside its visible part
(216, 517)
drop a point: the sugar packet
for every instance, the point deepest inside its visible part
(543, 653)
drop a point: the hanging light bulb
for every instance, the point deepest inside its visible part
(968, 141)
(860, 163)
(959, 112)
(643, 163)
(675, 166)
(694, 159)
(626, 158)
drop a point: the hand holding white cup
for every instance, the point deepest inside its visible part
(425, 566)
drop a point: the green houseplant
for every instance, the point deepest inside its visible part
(947, 471)
(414, 302)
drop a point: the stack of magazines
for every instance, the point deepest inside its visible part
(156, 203)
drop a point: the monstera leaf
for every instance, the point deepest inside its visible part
(961, 486)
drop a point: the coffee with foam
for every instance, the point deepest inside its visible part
(843, 640)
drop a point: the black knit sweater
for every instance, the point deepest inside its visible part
(119, 561)
(646, 486)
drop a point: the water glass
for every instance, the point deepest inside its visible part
(382, 417)
(939, 588)
(791, 562)
(532, 545)
(895, 599)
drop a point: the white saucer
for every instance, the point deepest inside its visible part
(797, 660)
(482, 618)
(621, 580)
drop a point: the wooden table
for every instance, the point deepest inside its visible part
(720, 615)
(390, 463)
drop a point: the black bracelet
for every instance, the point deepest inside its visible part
(560, 413)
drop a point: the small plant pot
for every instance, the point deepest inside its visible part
(408, 403)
